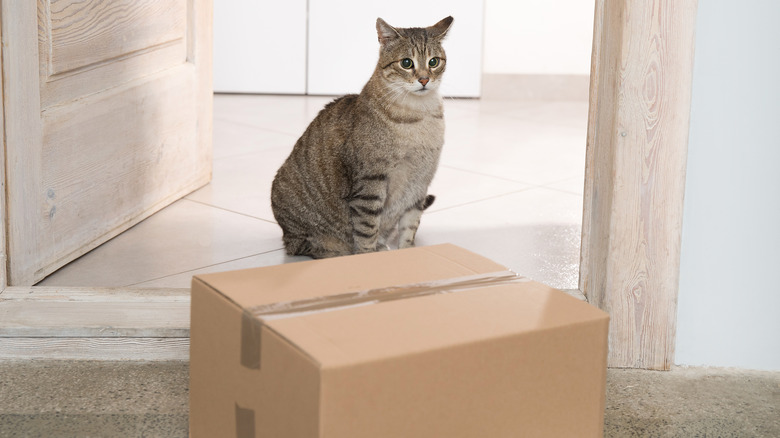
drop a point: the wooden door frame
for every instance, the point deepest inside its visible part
(641, 72)
(640, 100)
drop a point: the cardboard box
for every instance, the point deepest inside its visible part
(426, 342)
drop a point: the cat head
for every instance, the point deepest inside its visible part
(412, 58)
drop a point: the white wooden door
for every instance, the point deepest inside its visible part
(107, 117)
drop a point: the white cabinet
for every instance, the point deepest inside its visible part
(260, 46)
(332, 47)
(343, 46)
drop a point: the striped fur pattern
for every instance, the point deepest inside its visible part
(358, 177)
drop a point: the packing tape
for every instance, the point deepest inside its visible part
(250, 341)
(287, 309)
(245, 422)
(253, 317)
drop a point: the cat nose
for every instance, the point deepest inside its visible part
(423, 81)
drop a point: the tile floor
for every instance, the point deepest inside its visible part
(509, 186)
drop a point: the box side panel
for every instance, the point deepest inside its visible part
(215, 335)
(541, 384)
(289, 391)
(237, 389)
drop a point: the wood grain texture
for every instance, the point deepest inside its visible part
(66, 87)
(152, 349)
(116, 156)
(112, 144)
(94, 323)
(101, 320)
(94, 312)
(23, 133)
(80, 33)
(95, 294)
(145, 38)
(590, 157)
(3, 248)
(635, 168)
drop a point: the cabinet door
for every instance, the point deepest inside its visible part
(343, 46)
(107, 116)
(260, 46)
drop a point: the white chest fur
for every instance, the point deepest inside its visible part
(417, 149)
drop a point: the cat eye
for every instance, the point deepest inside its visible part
(434, 62)
(407, 63)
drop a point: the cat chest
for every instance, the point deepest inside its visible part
(427, 133)
(413, 169)
(416, 152)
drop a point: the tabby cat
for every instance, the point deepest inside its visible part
(360, 172)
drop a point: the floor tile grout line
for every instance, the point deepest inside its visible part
(230, 211)
(204, 267)
(568, 192)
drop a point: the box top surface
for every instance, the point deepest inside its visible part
(378, 331)
(255, 287)
(375, 330)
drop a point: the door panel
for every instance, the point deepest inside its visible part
(83, 33)
(109, 121)
(88, 46)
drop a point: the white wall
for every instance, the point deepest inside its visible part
(729, 300)
(546, 37)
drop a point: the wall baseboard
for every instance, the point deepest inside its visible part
(535, 87)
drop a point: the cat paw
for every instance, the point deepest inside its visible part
(406, 244)
(428, 201)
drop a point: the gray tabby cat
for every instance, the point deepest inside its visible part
(362, 168)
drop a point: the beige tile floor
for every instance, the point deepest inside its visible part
(509, 187)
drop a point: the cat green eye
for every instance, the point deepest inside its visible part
(434, 62)
(407, 63)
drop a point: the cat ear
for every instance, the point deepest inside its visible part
(385, 32)
(439, 30)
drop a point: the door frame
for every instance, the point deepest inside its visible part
(638, 120)
(639, 106)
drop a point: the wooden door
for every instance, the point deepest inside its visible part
(107, 117)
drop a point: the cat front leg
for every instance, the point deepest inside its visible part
(410, 222)
(366, 205)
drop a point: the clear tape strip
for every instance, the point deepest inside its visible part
(290, 309)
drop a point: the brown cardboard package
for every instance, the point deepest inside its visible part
(429, 342)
